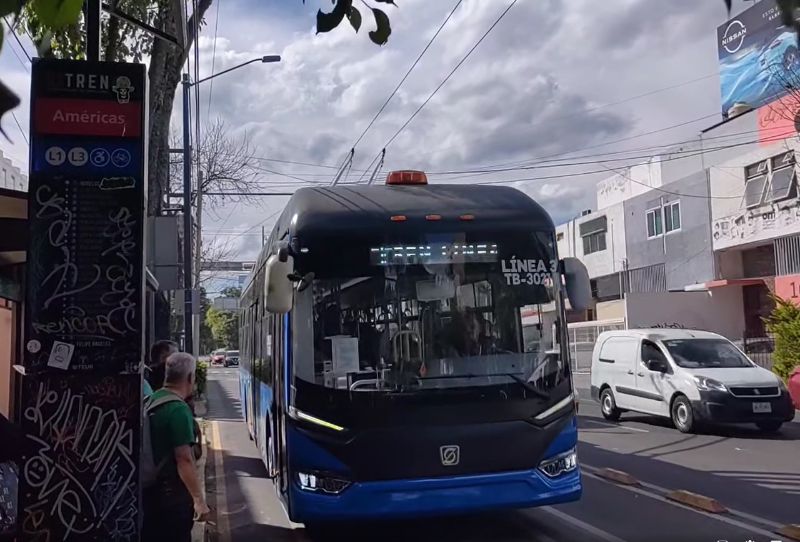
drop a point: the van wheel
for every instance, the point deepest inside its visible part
(770, 426)
(683, 415)
(608, 406)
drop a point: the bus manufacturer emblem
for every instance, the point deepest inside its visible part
(450, 455)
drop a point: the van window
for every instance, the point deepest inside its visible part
(620, 350)
(651, 351)
(706, 354)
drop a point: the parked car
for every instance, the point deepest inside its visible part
(218, 357)
(689, 376)
(231, 358)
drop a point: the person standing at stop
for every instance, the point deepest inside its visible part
(176, 500)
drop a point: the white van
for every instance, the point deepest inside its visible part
(689, 376)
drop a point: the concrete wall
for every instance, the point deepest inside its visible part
(686, 253)
(604, 262)
(720, 310)
(635, 180)
(682, 161)
(732, 223)
(610, 310)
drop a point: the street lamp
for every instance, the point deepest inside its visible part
(187, 197)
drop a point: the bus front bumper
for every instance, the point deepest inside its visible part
(435, 496)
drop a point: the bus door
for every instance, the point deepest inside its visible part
(278, 459)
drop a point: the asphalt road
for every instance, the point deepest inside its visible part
(755, 476)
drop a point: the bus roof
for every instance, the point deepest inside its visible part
(343, 209)
(339, 209)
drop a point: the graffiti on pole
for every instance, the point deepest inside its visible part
(81, 392)
(78, 474)
(86, 209)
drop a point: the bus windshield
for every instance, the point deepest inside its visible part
(438, 313)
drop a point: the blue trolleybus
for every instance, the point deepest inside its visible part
(384, 370)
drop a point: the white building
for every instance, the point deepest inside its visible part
(11, 178)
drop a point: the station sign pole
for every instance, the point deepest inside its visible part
(80, 402)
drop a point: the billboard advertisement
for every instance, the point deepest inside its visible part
(758, 56)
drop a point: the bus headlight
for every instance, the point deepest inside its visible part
(321, 483)
(561, 464)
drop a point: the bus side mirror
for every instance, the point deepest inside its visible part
(279, 287)
(579, 287)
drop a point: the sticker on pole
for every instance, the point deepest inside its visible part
(60, 355)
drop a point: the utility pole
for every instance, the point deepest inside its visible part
(188, 343)
(92, 12)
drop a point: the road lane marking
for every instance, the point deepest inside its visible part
(582, 525)
(614, 425)
(223, 526)
(751, 527)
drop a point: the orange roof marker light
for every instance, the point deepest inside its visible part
(406, 177)
(398, 218)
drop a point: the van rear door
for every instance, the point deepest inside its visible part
(618, 357)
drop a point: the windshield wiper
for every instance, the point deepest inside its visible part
(515, 377)
(528, 386)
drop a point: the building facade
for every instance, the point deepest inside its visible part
(11, 178)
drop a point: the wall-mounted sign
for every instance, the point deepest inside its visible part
(86, 215)
(788, 287)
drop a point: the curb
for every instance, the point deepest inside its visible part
(618, 476)
(695, 500)
(790, 531)
(199, 531)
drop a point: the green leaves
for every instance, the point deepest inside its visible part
(381, 34)
(57, 14)
(328, 21)
(354, 16)
(345, 8)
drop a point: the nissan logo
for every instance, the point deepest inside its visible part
(450, 455)
(733, 38)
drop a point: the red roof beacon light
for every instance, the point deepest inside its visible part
(406, 177)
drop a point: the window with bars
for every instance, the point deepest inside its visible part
(770, 180)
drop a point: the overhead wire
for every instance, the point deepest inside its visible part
(408, 72)
(213, 59)
(16, 38)
(449, 75)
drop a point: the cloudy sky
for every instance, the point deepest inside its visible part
(555, 78)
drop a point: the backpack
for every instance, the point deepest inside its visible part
(149, 468)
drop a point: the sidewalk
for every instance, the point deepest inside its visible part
(201, 410)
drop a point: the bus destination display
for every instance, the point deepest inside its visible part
(433, 253)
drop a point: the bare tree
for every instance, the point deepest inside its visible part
(784, 79)
(214, 251)
(223, 163)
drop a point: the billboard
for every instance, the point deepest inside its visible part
(758, 56)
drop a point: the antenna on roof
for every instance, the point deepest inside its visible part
(348, 162)
(377, 167)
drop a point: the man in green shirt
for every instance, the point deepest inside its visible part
(176, 500)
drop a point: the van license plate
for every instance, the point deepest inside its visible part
(762, 408)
